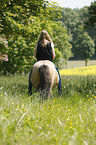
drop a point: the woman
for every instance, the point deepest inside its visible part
(44, 50)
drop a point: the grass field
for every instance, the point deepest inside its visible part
(77, 63)
(69, 119)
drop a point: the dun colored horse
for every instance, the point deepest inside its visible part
(44, 77)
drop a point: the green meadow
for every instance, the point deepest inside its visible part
(69, 119)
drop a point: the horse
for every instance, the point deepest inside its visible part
(44, 77)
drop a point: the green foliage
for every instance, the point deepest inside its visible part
(69, 19)
(92, 12)
(72, 18)
(83, 45)
(21, 23)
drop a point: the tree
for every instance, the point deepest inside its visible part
(70, 18)
(21, 23)
(90, 24)
(92, 11)
(83, 45)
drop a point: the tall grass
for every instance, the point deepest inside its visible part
(69, 119)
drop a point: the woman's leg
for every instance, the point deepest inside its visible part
(30, 84)
(59, 84)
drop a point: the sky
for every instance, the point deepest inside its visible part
(73, 3)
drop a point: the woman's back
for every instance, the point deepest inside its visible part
(44, 51)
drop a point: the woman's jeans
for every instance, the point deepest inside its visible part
(59, 84)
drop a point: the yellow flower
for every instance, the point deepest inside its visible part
(68, 109)
(76, 123)
(71, 123)
(92, 107)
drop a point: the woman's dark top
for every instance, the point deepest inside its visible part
(44, 53)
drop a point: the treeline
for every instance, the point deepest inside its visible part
(72, 31)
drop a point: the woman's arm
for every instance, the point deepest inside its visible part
(53, 52)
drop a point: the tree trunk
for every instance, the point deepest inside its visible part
(86, 61)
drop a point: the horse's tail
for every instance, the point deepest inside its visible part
(45, 79)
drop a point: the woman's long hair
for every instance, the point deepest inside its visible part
(44, 34)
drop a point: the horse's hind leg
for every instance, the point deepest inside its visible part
(50, 89)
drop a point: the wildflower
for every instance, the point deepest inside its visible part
(92, 107)
(48, 132)
(1, 88)
(68, 118)
(71, 123)
(76, 123)
(87, 95)
(69, 110)
(5, 93)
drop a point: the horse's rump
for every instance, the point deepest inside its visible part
(44, 76)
